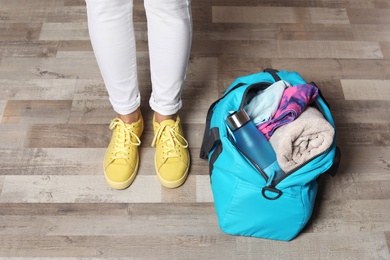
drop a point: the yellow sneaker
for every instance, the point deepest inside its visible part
(172, 159)
(121, 160)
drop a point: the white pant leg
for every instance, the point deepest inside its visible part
(169, 37)
(110, 24)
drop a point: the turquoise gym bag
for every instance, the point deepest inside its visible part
(251, 201)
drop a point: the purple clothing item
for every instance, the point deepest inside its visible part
(294, 101)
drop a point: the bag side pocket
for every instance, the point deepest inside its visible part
(250, 214)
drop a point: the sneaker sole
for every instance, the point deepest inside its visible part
(122, 185)
(172, 184)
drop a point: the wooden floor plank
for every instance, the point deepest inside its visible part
(68, 136)
(364, 134)
(301, 3)
(32, 111)
(51, 161)
(13, 136)
(358, 216)
(68, 31)
(174, 246)
(106, 209)
(48, 14)
(366, 162)
(88, 189)
(280, 31)
(366, 89)
(55, 116)
(331, 246)
(361, 189)
(74, 189)
(368, 16)
(385, 49)
(38, 4)
(111, 225)
(367, 32)
(2, 107)
(318, 32)
(303, 49)
(20, 31)
(44, 68)
(236, 14)
(28, 47)
(37, 89)
(387, 234)
(360, 111)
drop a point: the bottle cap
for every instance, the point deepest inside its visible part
(237, 119)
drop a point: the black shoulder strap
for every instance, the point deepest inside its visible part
(320, 94)
(274, 74)
(336, 162)
(211, 136)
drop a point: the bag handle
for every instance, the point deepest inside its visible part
(211, 136)
(273, 73)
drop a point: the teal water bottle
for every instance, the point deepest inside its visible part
(250, 140)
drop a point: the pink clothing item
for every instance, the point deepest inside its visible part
(294, 101)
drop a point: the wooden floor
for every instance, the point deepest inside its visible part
(54, 111)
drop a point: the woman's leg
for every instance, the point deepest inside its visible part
(169, 36)
(111, 31)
